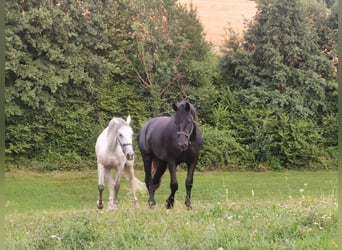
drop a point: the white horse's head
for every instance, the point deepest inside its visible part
(124, 135)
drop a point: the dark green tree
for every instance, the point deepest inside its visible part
(168, 44)
(280, 65)
(52, 86)
(73, 65)
(285, 85)
(42, 70)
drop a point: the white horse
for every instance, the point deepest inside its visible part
(114, 149)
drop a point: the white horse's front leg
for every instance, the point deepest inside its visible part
(100, 186)
(109, 177)
(132, 180)
(116, 186)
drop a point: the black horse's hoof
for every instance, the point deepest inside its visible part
(188, 204)
(168, 205)
(99, 205)
(151, 204)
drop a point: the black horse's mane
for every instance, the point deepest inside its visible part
(192, 109)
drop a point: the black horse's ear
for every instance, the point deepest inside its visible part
(174, 107)
(187, 106)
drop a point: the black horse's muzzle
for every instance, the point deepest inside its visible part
(183, 141)
(183, 147)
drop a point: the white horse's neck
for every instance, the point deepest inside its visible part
(112, 139)
(112, 134)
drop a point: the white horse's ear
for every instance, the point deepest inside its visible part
(113, 122)
(128, 119)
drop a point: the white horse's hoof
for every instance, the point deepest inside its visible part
(112, 206)
(136, 204)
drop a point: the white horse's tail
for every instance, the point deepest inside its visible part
(137, 185)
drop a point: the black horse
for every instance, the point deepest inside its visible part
(169, 141)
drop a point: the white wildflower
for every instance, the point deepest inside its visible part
(55, 237)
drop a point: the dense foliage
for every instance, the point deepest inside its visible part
(269, 101)
(283, 78)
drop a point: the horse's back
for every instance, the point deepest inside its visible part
(152, 129)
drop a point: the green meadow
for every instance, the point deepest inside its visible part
(231, 210)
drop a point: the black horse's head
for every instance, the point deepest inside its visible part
(185, 123)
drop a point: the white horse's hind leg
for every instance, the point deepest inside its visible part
(100, 170)
(129, 170)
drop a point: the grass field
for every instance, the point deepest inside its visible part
(240, 210)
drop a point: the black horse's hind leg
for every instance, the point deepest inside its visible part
(100, 203)
(148, 180)
(173, 185)
(160, 168)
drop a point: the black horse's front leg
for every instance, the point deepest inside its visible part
(170, 202)
(188, 198)
(173, 186)
(188, 184)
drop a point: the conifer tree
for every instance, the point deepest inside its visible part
(280, 63)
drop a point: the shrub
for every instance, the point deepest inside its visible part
(220, 150)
